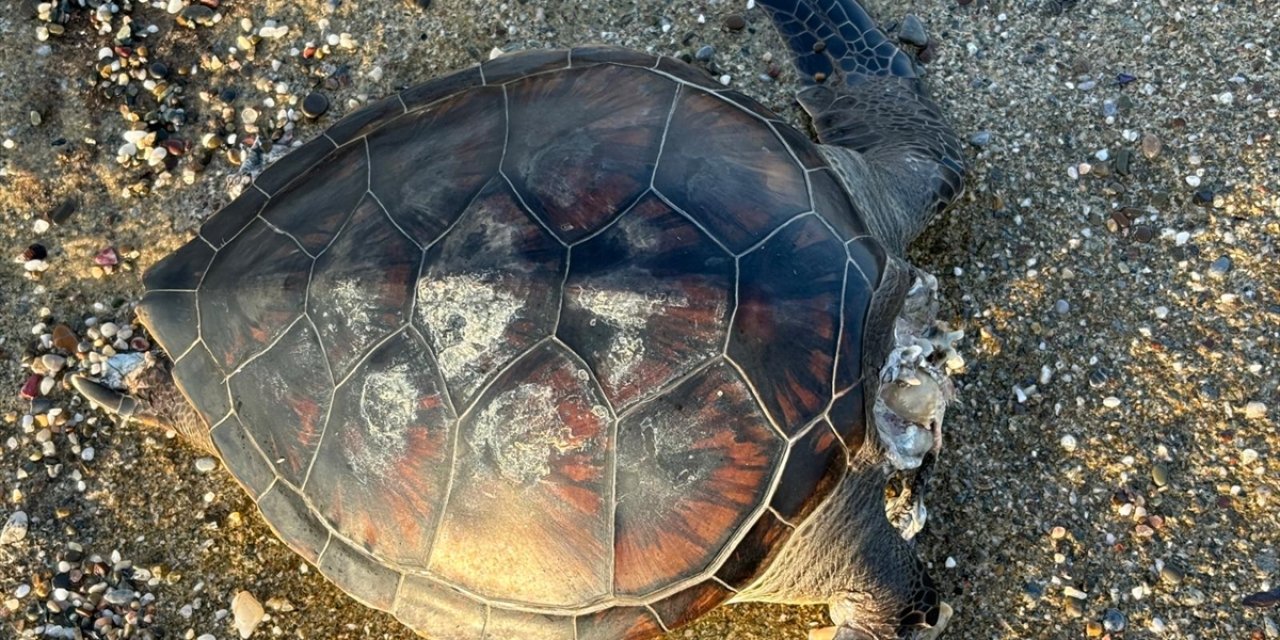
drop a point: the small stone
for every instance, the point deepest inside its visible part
(108, 256)
(735, 22)
(206, 464)
(1255, 411)
(1062, 307)
(35, 252)
(1123, 163)
(1073, 607)
(1151, 146)
(63, 211)
(705, 52)
(248, 613)
(1170, 576)
(109, 329)
(980, 139)
(1220, 268)
(1113, 620)
(1068, 443)
(31, 388)
(1248, 456)
(1193, 180)
(53, 362)
(1160, 474)
(15, 528)
(912, 31)
(65, 339)
(1093, 629)
(315, 104)
(1111, 402)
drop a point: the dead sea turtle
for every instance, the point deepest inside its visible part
(580, 344)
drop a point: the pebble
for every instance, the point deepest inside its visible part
(912, 31)
(109, 329)
(1255, 411)
(980, 138)
(1220, 268)
(1193, 180)
(735, 22)
(1073, 607)
(65, 339)
(1068, 443)
(1151, 145)
(15, 528)
(315, 104)
(1062, 307)
(1248, 456)
(248, 613)
(1113, 620)
(206, 464)
(1170, 576)
(35, 252)
(705, 52)
(1111, 402)
(53, 362)
(1160, 474)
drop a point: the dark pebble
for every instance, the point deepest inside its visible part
(912, 31)
(158, 70)
(1123, 163)
(1113, 620)
(228, 95)
(315, 104)
(705, 52)
(64, 211)
(1203, 197)
(196, 14)
(1124, 78)
(1264, 599)
(1221, 267)
(423, 4)
(35, 252)
(735, 22)
(1143, 233)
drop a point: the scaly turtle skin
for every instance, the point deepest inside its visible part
(579, 344)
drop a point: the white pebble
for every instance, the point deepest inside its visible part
(248, 613)
(1111, 402)
(1193, 180)
(1248, 456)
(951, 562)
(1162, 312)
(108, 329)
(40, 225)
(1255, 411)
(1068, 442)
(87, 454)
(205, 465)
(1102, 155)
(53, 362)
(15, 528)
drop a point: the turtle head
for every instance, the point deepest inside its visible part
(140, 387)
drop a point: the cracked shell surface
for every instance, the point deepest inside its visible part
(546, 402)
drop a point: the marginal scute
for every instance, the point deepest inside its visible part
(199, 377)
(693, 465)
(312, 208)
(849, 417)
(254, 289)
(381, 471)
(579, 151)
(646, 301)
(857, 304)
(429, 163)
(833, 204)
(222, 226)
(756, 550)
(784, 332)
(686, 606)
(300, 527)
(419, 96)
(489, 290)
(801, 145)
(444, 613)
(365, 121)
(299, 161)
(815, 465)
(537, 438)
(181, 269)
(170, 316)
(602, 54)
(241, 456)
(521, 64)
(617, 623)
(728, 170)
(365, 578)
(362, 286)
(687, 72)
(283, 399)
(506, 624)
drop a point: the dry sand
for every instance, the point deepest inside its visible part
(1091, 297)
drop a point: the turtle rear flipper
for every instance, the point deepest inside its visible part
(900, 161)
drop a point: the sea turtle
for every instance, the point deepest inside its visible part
(579, 344)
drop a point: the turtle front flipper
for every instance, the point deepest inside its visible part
(898, 158)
